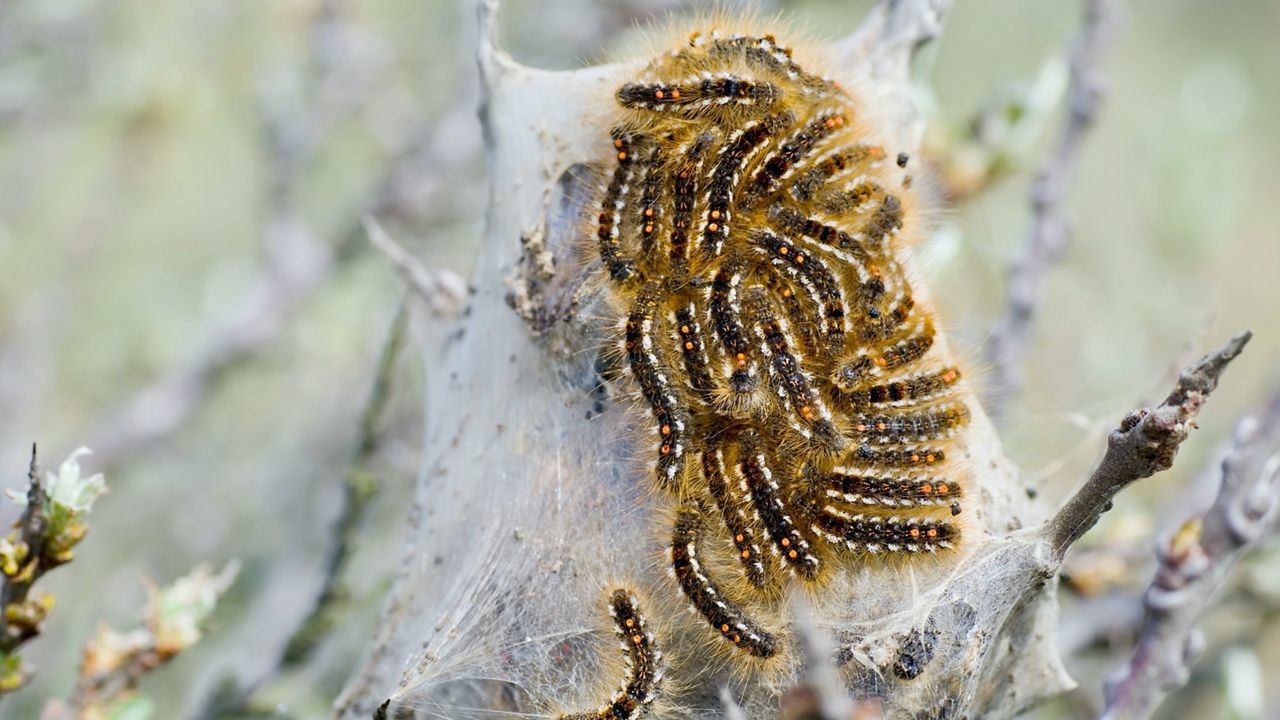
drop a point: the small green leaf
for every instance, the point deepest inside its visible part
(71, 491)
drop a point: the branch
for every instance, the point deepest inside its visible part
(1144, 444)
(892, 32)
(164, 406)
(299, 261)
(1194, 564)
(360, 487)
(1050, 234)
(443, 291)
(22, 563)
(884, 53)
(56, 52)
(114, 663)
(820, 693)
(999, 139)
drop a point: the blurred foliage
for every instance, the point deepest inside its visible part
(143, 176)
(114, 662)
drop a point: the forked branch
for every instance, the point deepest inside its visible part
(1145, 443)
(1194, 563)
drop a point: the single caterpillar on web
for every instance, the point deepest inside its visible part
(750, 238)
(642, 673)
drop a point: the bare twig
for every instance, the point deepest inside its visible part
(970, 159)
(1194, 564)
(442, 290)
(359, 488)
(299, 261)
(1144, 444)
(1050, 233)
(57, 50)
(819, 694)
(298, 265)
(885, 52)
(164, 406)
(893, 31)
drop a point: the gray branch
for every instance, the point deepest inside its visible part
(1194, 564)
(361, 485)
(299, 261)
(443, 291)
(820, 692)
(1145, 443)
(1049, 237)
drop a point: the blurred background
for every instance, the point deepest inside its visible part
(186, 287)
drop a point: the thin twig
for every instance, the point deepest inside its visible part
(361, 485)
(56, 52)
(442, 290)
(51, 525)
(300, 262)
(113, 664)
(819, 693)
(359, 489)
(1144, 444)
(1194, 564)
(162, 407)
(892, 32)
(1050, 233)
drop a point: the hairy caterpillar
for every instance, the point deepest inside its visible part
(642, 673)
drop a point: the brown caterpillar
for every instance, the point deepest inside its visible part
(642, 676)
(750, 235)
(707, 599)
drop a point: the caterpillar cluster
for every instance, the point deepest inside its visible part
(803, 414)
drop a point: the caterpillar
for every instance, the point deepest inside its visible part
(642, 674)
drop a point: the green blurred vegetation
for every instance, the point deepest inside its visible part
(142, 182)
